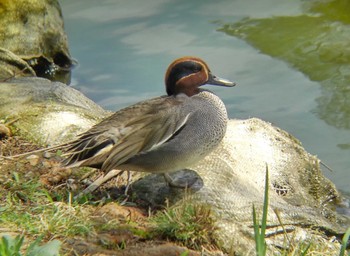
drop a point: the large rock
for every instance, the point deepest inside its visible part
(33, 41)
(46, 112)
(232, 179)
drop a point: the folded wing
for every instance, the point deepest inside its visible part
(130, 131)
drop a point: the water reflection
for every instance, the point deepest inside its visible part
(318, 46)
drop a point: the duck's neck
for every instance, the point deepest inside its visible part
(191, 91)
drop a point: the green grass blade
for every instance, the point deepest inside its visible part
(259, 232)
(306, 250)
(4, 246)
(265, 209)
(18, 243)
(10, 246)
(344, 242)
(256, 231)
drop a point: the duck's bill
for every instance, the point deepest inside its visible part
(214, 80)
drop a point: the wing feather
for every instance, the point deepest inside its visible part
(126, 133)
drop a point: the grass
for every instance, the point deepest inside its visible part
(259, 230)
(345, 241)
(34, 211)
(189, 224)
(29, 207)
(300, 248)
(44, 214)
(41, 214)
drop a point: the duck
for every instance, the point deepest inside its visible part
(159, 135)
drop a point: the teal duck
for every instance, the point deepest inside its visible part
(159, 135)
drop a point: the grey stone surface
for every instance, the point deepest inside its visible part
(232, 179)
(46, 112)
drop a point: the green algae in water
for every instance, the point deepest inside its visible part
(316, 43)
(337, 10)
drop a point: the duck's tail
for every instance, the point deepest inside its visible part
(58, 147)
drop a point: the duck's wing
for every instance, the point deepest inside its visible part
(128, 132)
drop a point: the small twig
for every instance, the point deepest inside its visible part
(282, 225)
(8, 78)
(21, 72)
(31, 152)
(329, 168)
(87, 174)
(128, 183)
(13, 121)
(8, 158)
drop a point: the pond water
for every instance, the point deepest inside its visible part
(124, 47)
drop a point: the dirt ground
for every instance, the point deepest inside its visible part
(104, 205)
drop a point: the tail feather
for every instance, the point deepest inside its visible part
(85, 151)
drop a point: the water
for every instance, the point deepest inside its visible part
(123, 49)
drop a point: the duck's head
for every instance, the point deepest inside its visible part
(187, 74)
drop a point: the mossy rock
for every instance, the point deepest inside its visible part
(32, 40)
(46, 112)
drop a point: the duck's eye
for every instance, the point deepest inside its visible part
(196, 68)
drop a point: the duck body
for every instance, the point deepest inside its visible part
(159, 135)
(192, 142)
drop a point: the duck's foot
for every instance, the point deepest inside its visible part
(171, 182)
(128, 183)
(104, 178)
